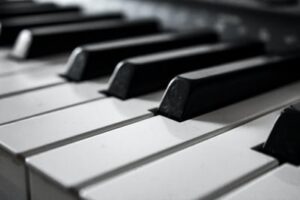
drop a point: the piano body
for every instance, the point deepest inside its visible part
(149, 99)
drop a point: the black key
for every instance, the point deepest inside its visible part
(199, 92)
(138, 76)
(11, 27)
(36, 9)
(7, 2)
(21, 6)
(96, 60)
(43, 41)
(15, 4)
(284, 140)
(279, 2)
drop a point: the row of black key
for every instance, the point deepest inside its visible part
(132, 77)
(11, 27)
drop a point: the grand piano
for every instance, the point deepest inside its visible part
(149, 100)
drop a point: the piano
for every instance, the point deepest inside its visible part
(149, 99)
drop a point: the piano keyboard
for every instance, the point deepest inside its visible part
(168, 100)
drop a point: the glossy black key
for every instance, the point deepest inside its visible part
(36, 9)
(279, 2)
(140, 75)
(15, 4)
(284, 140)
(96, 60)
(202, 91)
(9, 2)
(43, 41)
(11, 27)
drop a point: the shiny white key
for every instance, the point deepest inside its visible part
(57, 128)
(11, 66)
(31, 79)
(37, 102)
(130, 145)
(203, 171)
(74, 121)
(281, 183)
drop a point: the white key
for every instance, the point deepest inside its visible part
(26, 137)
(37, 102)
(281, 183)
(31, 80)
(12, 66)
(138, 142)
(74, 121)
(203, 171)
(18, 76)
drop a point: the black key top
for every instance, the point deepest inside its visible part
(43, 41)
(279, 2)
(8, 2)
(199, 92)
(36, 9)
(284, 140)
(15, 4)
(21, 5)
(11, 27)
(138, 76)
(11, 5)
(96, 60)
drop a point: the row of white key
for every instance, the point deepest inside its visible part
(54, 129)
(49, 99)
(203, 171)
(86, 121)
(104, 156)
(27, 148)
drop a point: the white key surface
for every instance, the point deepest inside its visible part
(203, 171)
(11, 66)
(75, 121)
(45, 100)
(31, 79)
(281, 183)
(122, 147)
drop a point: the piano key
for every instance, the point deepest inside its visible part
(281, 183)
(38, 42)
(64, 126)
(49, 99)
(15, 4)
(137, 76)
(284, 140)
(215, 166)
(5, 3)
(10, 67)
(21, 5)
(11, 27)
(30, 80)
(70, 122)
(148, 140)
(86, 60)
(36, 9)
(196, 93)
(280, 2)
